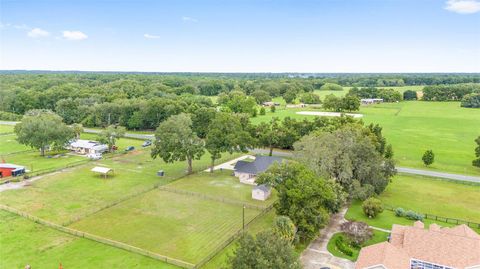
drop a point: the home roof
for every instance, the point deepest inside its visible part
(12, 166)
(262, 187)
(88, 144)
(258, 166)
(457, 247)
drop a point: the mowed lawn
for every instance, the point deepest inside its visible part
(424, 195)
(65, 196)
(220, 184)
(25, 242)
(444, 127)
(6, 128)
(8, 144)
(180, 226)
(413, 127)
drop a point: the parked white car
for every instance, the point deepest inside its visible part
(94, 156)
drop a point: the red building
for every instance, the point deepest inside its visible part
(8, 169)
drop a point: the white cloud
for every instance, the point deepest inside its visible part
(463, 6)
(37, 32)
(189, 19)
(74, 35)
(149, 36)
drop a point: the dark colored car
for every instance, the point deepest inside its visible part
(130, 148)
(147, 143)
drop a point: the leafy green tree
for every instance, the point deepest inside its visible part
(389, 151)
(238, 102)
(261, 96)
(226, 134)
(409, 95)
(77, 129)
(471, 100)
(284, 227)
(290, 95)
(265, 251)
(331, 87)
(201, 119)
(273, 108)
(349, 103)
(476, 162)
(42, 129)
(176, 141)
(428, 157)
(332, 102)
(302, 196)
(262, 111)
(268, 134)
(310, 98)
(346, 154)
(372, 207)
(110, 135)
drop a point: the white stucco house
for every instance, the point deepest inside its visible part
(247, 171)
(87, 147)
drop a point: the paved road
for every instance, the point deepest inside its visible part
(130, 135)
(405, 170)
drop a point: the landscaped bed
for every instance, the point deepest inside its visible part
(332, 247)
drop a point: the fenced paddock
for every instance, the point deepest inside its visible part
(183, 226)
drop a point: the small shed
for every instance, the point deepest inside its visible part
(8, 169)
(261, 192)
(102, 170)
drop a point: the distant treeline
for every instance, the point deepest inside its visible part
(449, 92)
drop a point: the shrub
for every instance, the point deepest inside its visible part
(310, 98)
(343, 246)
(272, 109)
(358, 232)
(412, 215)
(9, 116)
(409, 95)
(262, 111)
(471, 100)
(399, 212)
(372, 207)
(331, 87)
(428, 157)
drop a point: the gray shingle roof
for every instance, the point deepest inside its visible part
(258, 166)
(262, 187)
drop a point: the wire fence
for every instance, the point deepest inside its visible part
(100, 239)
(232, 238)
(442, 219)
(213, 198)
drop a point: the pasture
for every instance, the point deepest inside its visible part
(6, 129)
(25, 242)
(423, 195)
(413, 127)
(8, 144)
(180, 226)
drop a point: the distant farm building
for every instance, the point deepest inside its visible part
(370, 101)
(87, 147)
(270, 104)
(8, 169)
(261, 192)
(247, 171)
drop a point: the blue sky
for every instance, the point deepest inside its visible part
(241, 35)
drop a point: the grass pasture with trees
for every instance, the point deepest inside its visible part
(423, 195)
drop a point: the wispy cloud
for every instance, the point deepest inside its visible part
(189, 19)
(37, 33)
(74, 35)
(149, 36)
(463, 6)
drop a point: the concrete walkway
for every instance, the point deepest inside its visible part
(406, 170)
(316, 254)
(230, 164)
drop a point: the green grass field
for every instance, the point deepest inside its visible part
(61, 197)
(377, 237)
(8, 144)
(176, 225)
(220, 184)
(415, 126)
(5, 129)
(25, 242)
(423, 195)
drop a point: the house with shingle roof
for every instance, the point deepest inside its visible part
(247, 171)
(414, 247)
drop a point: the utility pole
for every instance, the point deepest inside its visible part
(243, 217)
